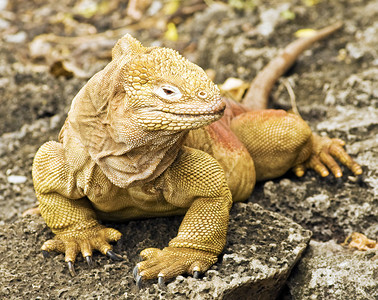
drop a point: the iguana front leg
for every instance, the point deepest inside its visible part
(195, 180)
(66, 210)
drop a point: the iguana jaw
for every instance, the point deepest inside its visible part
(180, 119)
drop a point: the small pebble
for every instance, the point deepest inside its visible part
(17, 38)
(17, 179)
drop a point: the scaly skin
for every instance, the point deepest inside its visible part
(138, 142)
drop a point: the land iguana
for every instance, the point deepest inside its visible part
(150, 135)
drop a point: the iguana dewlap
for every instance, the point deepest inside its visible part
(142, 139)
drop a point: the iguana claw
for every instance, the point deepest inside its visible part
(196, 274)
(339, 181)
(138, 281)
(137, 277)
(135, 272)
(114, 256)
(360, 179)
(45, 254)
(324, 152)
(71, 268)
(161, 283)
(89, 261)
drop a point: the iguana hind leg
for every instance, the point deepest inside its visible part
(275, 139)
(279, 141)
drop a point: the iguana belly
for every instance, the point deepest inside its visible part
(118, 204)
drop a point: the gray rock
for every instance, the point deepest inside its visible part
(262, 249)
(330, 271)
(330, 211)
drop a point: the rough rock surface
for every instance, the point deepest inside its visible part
(337, 93)
(329, 271)
(262, 249)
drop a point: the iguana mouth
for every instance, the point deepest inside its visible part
(200, 114)
(217, 109)
(175, 120)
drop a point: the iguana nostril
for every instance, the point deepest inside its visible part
(202, 94)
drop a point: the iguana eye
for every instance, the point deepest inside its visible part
(168, 92)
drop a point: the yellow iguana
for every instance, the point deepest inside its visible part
(150, 136)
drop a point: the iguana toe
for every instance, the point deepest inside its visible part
(171, 262)
(325, 154)
(71, 243)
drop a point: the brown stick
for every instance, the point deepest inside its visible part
(258, 94)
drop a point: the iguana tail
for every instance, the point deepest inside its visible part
(258, 94)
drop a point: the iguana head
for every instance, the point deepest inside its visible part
(132, 117)
(163, 90)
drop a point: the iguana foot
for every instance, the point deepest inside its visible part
(322, 159)
(85, 241)
(171, 262)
